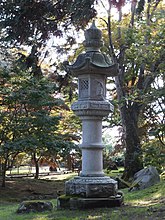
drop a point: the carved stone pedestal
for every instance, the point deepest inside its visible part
(90, 192)
(91, 187)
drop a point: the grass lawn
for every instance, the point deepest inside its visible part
(145, 204)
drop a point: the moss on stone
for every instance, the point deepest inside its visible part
(67, 197)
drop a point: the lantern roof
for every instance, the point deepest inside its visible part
(93, 61)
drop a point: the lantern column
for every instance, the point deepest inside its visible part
(92, 69)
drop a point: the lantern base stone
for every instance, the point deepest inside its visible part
(74, 203)
(90, 192)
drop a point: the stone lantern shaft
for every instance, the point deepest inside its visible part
(92, 147)
(92, 69)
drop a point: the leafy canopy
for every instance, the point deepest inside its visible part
(39, 19)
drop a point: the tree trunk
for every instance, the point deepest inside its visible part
(69, 162)
(36, 166)
(129, 112)
(133, 154)
(4, 168)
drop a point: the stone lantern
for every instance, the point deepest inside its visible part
(92, 188)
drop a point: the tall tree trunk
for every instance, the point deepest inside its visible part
(4, 168)
(129, 112)
(36, 166)
(133, 154)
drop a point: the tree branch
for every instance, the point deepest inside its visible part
(133, 10)
(111, 48)
(154, 8)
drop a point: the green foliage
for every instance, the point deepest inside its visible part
(30, 116)
(29, 103)
(154, 154)
(136, 42)
(41, 19)
(44, 22)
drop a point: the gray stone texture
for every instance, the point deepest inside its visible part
(145, 178)
(89, 203)
(89, 187)
(34, 206)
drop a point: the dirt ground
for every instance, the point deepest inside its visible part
(47, 187)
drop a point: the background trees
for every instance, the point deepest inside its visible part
(134, 41)
(39, 19)
(139, 54)
(30, 108)
(29, 117)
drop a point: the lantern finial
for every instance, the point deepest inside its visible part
(93, 38)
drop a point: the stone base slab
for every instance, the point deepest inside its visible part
(91, 187)
(89, 203)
